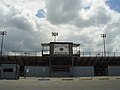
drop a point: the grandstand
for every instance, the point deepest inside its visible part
(63, 59)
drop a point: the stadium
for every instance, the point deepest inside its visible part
(59, 59)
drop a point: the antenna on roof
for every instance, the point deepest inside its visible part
(55, 34)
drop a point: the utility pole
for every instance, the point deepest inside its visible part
(2, 33)
(104, 36)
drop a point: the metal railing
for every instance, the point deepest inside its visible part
(22, 53)
(99, 54)
(39, 53)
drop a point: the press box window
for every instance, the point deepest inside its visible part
(8, 70)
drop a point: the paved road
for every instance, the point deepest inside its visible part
(35, 84)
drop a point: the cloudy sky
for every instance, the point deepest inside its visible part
(30, 22)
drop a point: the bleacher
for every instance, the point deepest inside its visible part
(100, 62)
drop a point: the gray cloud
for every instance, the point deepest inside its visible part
(62, 11)
(67, 12)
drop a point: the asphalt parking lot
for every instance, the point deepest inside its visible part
(96, 83)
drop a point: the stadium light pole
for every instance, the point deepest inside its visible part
(2, 33)
(55, 34)
(104, 36)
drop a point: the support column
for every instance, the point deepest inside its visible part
(50, 65)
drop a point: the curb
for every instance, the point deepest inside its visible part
(104, 78)
(65, 79)
(43, 79)
(117, 78)
(86, 79)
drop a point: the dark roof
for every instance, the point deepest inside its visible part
(48, 44)
(61, 42)
(45, 44)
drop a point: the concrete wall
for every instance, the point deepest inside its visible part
(9, 71)
(60, 74)
(36, 71)
(83, 71)
(114, 70)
